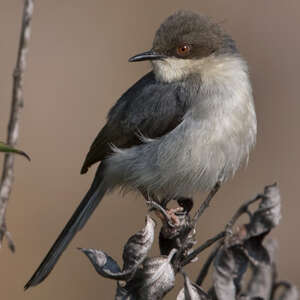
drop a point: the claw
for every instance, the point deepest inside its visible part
(172, 215)
(168, 216)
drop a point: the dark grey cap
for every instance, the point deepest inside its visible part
(199, 32)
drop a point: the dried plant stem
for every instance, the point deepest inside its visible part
(207, 244)
(242, 210)
(203, 273)
(205, 203)
(185, 243)
(13, 126)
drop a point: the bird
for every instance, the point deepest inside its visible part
(185, 126)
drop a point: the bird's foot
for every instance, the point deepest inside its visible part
(167, 216)
(173, 218)
(180, 235)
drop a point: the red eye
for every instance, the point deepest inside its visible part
(183, 50)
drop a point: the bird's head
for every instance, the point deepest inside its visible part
(182, 40)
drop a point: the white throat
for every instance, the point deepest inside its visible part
(210, 68)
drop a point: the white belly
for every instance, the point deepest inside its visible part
(191, 158)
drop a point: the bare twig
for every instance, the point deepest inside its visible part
(13, 126)
(203, 273)
(242, 210)
(205, 203)
(207, 244)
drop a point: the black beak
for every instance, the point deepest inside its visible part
(148, 55)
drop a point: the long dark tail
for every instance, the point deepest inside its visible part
(77, 221)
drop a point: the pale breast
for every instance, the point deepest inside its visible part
(218, 132)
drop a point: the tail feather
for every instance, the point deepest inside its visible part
(77, 221)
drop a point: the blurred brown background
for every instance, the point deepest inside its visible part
(77, 68)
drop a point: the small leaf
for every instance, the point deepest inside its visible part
(265, 218)
(123, 294)
(103, 263)
(290, 292)
(261, 282)
(137, 247)
(191, 291)
(268, 214)
(154, 279)
(135, 251)
(8, 149)
(229, 266)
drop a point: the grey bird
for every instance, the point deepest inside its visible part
(185, 126)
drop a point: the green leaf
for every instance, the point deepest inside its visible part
(6, 148)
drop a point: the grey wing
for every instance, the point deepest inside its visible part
(149, 107)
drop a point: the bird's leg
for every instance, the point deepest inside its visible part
(175, 214)
(153, 202)
(161, 213)
(149, 197)
(167, 216)
(172, 212)
(165, 201)
(185, 206)
(180, 237)
(188, 235)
